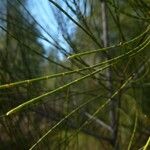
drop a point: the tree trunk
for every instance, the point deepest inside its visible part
(113, 103)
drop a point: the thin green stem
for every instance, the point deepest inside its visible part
(130, 53)
(147, 144)
(39, 98)
(110, 47)
(101, 107)
(133, 133)
(63, 119)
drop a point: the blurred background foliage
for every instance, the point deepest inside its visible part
(99, 111)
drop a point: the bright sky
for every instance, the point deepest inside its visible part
(42, 12)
